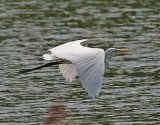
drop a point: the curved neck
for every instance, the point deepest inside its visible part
(108, 53)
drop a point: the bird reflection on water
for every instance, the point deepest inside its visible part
(57, 115)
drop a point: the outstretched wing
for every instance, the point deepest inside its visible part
(89, 64)
(91, 70)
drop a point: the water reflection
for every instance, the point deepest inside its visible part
(58, 115)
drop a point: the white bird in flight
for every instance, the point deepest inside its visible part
(76, 59)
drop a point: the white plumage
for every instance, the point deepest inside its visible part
(69, 71)
(87, 63)
(80, 60)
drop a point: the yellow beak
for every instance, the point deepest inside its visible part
(123, 50)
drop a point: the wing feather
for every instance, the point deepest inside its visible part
(92, 76)
(69, 71)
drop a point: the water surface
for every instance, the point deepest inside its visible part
(130, 92)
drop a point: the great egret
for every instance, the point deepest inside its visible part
(76, 59)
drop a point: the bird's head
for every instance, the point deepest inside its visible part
(112, 51)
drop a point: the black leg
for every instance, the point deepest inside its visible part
(39, 67)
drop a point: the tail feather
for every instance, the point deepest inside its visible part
(47, 57)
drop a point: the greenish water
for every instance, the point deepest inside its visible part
(131, 91)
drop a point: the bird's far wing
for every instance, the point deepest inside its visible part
(64, 48)
(69, 46)
(69, 71)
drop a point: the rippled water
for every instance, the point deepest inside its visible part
(131, 90)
